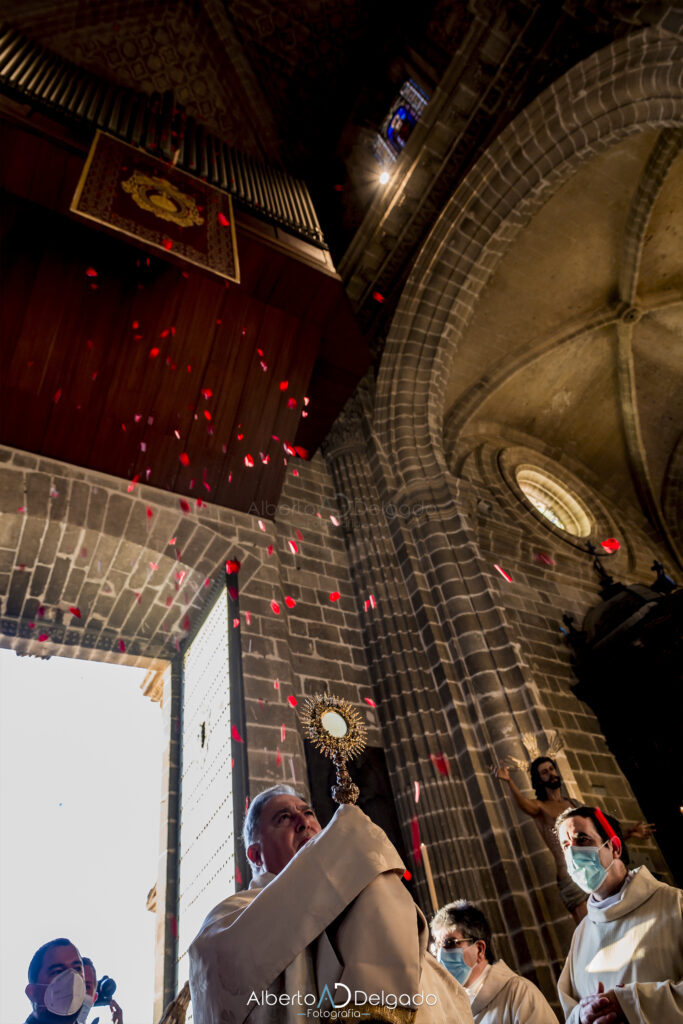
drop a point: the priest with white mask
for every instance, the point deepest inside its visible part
(625, 964)
(326, 930)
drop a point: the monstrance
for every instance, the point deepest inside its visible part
(335, 728)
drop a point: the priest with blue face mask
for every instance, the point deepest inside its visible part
(625, 964)
(497, 995)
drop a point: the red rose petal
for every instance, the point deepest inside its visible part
(611, 544)
(440, 762)
(335, 595)
(184, 458)
(75, 611)
(236, 735)
(290, 602)
(275, 606)
(415, 833)
(293, 701)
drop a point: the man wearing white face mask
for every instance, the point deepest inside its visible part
(56, 985)
(625, 964)
(497, 994)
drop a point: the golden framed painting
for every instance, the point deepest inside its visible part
(132, 193)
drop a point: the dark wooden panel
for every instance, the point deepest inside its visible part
(108, 371)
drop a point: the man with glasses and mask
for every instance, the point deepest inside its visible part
(56, 984)
(497, 994)
(325, 930)
(625, 964)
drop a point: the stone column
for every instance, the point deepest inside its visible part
(448, 683)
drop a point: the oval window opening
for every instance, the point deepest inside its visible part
(553, 500)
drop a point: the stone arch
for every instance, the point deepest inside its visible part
(633, 85)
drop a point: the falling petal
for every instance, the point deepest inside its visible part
(91, 272)
(261, 525)
(122, 647)
(75, 611)
(184, 458)
(282, 733)
(150, 513)
(275, 606)
(371, 702)
(407, 875)
(415, 833)
(233, 565)
(417, 791)
(440, 762)
(543, 559)
(269, 549)
(292, 700)
(611, 544)
(207, 392)
(334, 520)
(184, 505)
(278, 757)
(335, 595)
(290, 602)
(293, 547)
(284, 384)
(503, 573)
(236, 735)
(223, 220)
(44, 636)
(154, 352)
(248, 461)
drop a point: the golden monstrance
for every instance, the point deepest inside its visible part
(335, 728)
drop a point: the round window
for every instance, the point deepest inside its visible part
(553, 500)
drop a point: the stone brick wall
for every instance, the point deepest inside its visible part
(550, 575)
(91, 569)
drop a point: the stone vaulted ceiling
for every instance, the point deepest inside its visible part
(576, 341)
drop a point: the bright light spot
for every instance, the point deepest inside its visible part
(384, 177)
(80, 758)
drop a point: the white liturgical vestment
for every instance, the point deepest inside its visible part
(507, 998)
(635, 948)
(337, 921)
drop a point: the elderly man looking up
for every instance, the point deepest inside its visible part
(625, 963)
(497, 994)
(326, 925)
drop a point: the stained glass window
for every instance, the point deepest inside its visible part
(398, 125)
(553, 500)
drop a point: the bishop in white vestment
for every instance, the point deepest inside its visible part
(327, 930)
